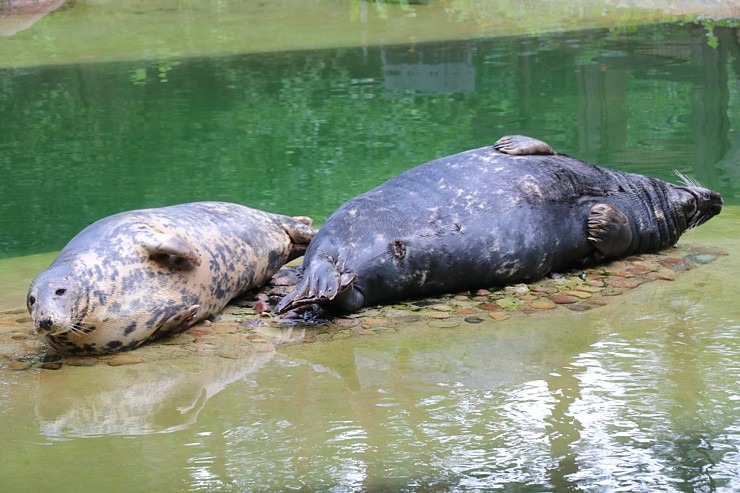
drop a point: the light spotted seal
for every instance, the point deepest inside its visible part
(140, 274)
(491, 216)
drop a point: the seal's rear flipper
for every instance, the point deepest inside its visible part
(300, 232)
(521, 145)
(323, 283)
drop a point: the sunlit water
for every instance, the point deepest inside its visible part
(640, 396)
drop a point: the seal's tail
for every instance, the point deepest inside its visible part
(323, 282)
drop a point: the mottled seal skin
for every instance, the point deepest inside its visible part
(140, 274)
(491, 216)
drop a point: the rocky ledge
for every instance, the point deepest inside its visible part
(247, 326)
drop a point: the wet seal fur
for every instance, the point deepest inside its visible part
(492, 216)
(137, 275)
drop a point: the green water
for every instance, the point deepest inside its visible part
(641, 395)
(301, 132)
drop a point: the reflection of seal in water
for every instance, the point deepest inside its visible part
(490, 216)
(140, 274)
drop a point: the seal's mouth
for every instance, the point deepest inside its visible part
(49, 328)
(707, 205)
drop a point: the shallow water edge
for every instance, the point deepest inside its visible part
(149, 30)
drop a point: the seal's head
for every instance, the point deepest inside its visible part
(57, 302)
(696, 204)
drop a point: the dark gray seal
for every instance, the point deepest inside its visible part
(140, 274)
(492, 216)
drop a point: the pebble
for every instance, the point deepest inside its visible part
(179, 339)
(199, 332)
(543, 305)
(580, 307)
(443, 324)
(545, 289)
(618, 282)
(675, 264)
(489, 307)
(439, 315)
(125, 359)
(466, 311)
(578, 294)
(613, 267)
(590, 289)
(594, 302)
(482, 292)
(498, 315)
(395, 312)
(407, 319)
(651, 266)
(563, 299)
(700, 258)
(517, 288)
(665, 276)
(262, 307)
(19, 365)
(441, 308)
(52, 365)
(473, 320)
(82, 361)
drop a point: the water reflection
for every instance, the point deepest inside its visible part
(429, 69)
(155, 397)
(621, 401)
(19, 15)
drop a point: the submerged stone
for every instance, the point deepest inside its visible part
(563, 299)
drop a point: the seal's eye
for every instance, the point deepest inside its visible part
(31, 300)
(60, 292)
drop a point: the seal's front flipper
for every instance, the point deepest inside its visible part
(171, 244)
(521, 145)
(180, 321)
(324, 283)
(608, 231)
(300, 232)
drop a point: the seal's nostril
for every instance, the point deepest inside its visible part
(46, 324)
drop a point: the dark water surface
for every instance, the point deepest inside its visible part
(301, 132)
(641, 395)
